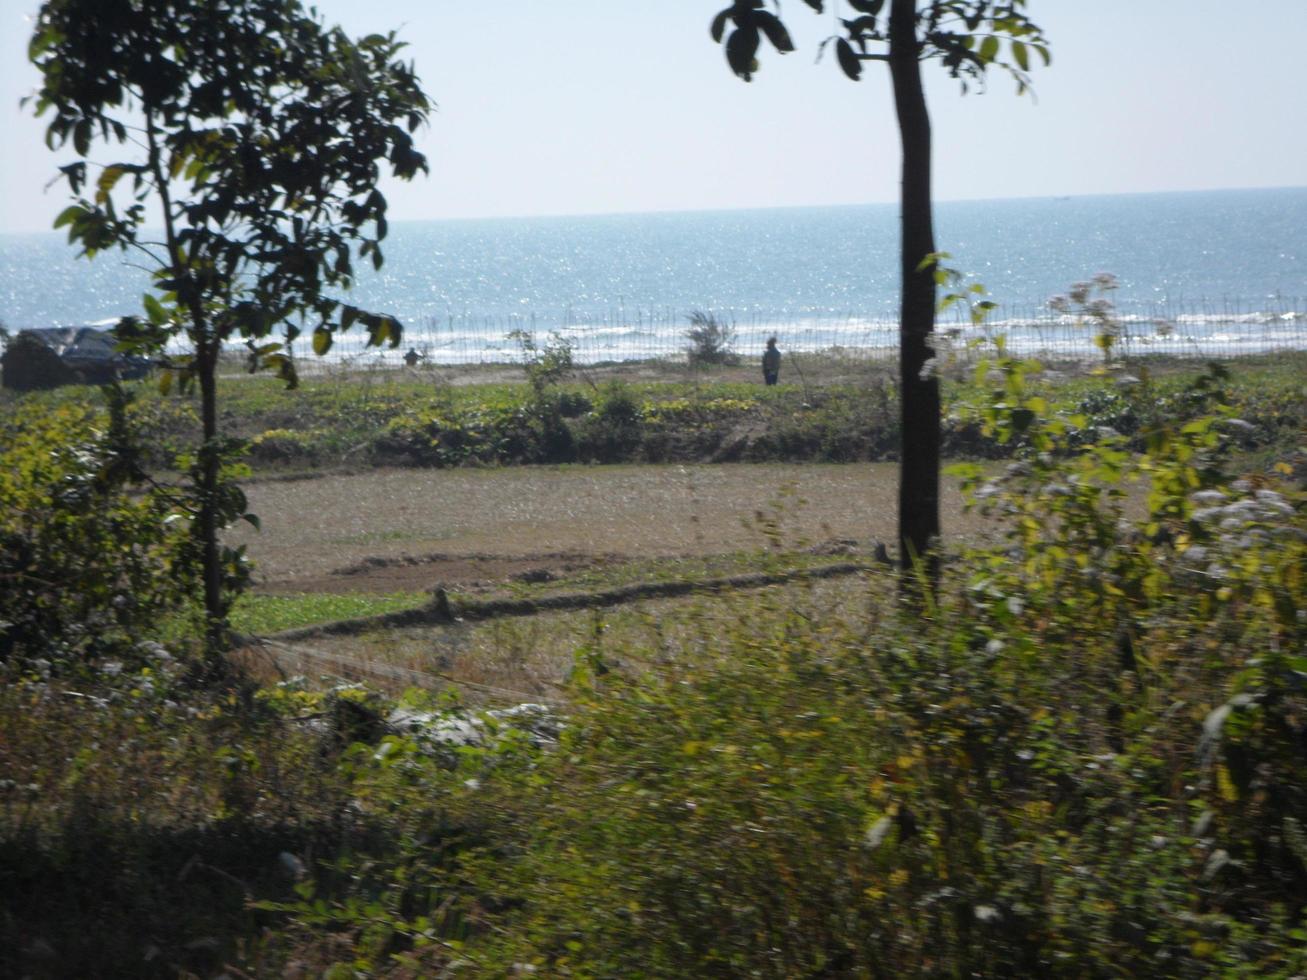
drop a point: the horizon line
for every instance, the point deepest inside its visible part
(788, 207)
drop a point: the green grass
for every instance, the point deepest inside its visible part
(261, 614)
(837, 411)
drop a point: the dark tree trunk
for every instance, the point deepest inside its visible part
(215, 614)
(919, 470)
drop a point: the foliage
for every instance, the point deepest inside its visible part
(258, 130)
(545, 366)
(258, 134)
(1088, 303)
(966, 36)
(712, 341)
(345, 423)
(92, 554)
(611, 433)
(138, 815)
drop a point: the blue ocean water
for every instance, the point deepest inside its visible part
(1218, 266)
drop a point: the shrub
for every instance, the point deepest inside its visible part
(92, 555)
(286, 445)
(712, 341)
(573, 404)
(611, 433)
(545, 366)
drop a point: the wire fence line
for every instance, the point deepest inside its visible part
(1198, 328)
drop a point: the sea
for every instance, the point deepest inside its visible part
(1198, 273)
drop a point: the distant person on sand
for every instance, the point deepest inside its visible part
(412, 357)
(771, 362)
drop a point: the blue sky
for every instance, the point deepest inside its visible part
(591, 106)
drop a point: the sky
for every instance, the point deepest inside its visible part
(601, 106)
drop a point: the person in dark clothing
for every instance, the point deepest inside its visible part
(771, 362)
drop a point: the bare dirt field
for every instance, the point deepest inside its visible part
(405, 529)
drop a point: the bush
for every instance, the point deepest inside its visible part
(93, 557)
(611, 433)
(712, 341)
(573, 404)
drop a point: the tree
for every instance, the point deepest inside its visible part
(258, 135)
(968, 37)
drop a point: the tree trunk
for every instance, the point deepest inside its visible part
(207, 347)
(215, 614)
(920, 402)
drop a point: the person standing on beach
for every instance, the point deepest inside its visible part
(771, 362)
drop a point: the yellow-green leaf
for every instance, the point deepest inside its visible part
(1020, 55)
(104, 186)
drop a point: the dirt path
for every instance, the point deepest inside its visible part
(404, 529)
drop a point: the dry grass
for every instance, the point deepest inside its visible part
(528, 658)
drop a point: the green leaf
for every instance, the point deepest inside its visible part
(82, 137)
(848, 59)
(322, 341)
(104, 186)
(1019, 55)
(68, 215)
(741, 49)
(775, 31)
(988, 49)
(719, 25)
(154, 310)
(40, 43)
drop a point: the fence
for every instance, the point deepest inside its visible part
(1201, 328)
